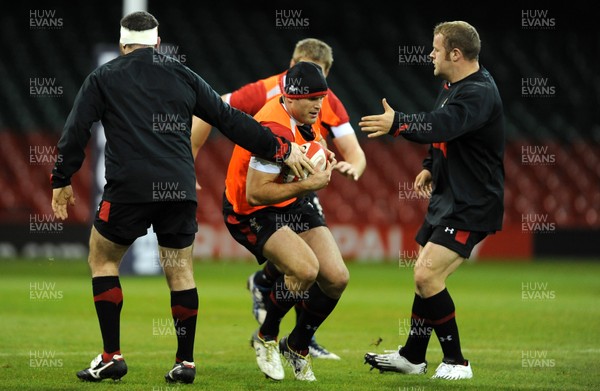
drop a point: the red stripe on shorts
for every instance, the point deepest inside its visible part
(104, 211)
(462, 236)
(250, 236)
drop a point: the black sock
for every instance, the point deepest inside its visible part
(108, 300)
(415, 348)
(316, 307)
(266, 277)
(443, 320)
(279, 302)
(298, 310)
(184, 308)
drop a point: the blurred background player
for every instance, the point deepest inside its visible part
(274, 221)
(333, 121)
(126, 94)
(464, 177)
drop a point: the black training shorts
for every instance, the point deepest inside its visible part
(174, 222)
(253, 230)
(461, 242)
(314, 199)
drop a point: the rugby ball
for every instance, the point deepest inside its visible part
(317, 155)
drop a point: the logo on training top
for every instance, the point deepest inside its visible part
(450, 230)
(537, 20)
(291, 20)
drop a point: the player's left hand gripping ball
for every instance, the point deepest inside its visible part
(318, 156)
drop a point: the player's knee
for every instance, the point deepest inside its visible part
(307, 275)
(305, 268)
(340, 281)
(423, 277)
(335, 285)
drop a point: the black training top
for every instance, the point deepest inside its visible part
(145, 101)
(466, 132)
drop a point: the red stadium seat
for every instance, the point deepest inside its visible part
(567, 191)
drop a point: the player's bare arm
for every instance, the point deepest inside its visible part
(266, 189)
(378, 125)
(61, 197)
(200, 132)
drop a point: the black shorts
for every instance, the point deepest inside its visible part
(174, 223)
(253, 230)
(461, 242)
(314, 199)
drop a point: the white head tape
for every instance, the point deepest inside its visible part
(145, 37)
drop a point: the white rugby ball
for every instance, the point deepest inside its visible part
(317, 155)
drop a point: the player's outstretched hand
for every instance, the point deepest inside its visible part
(297, 161)
(378, 125)
(422, 184)
(347, 170)
(61, 197)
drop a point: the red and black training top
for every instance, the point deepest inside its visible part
(146, 101)
(466, 156)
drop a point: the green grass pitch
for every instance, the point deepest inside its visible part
(524, 326)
